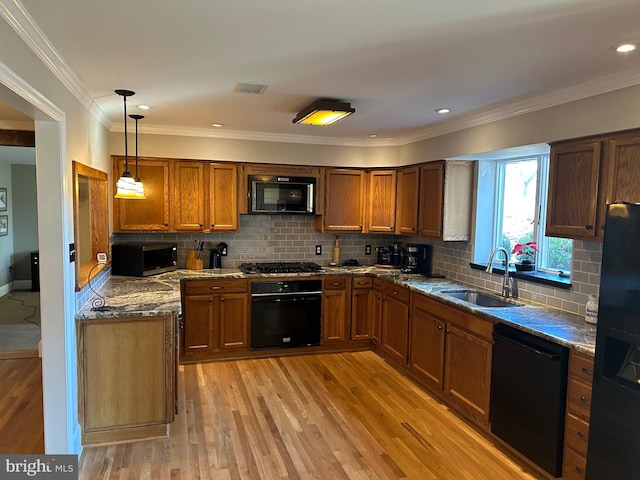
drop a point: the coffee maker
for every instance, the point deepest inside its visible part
(418, 259)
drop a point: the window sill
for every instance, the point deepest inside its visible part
(551, 280)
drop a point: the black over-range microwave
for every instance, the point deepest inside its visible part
(143, 259)
(282, 194)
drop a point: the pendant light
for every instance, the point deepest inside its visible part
(126, 185)
(139, 186)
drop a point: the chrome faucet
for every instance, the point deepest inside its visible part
(509, 287)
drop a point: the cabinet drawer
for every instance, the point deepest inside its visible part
(207, 287)
(362, 282)
(579, 400)
(334, 283)
(377, 283)
(395, 291)
(575, 465)
(581, 368)
(577, 434)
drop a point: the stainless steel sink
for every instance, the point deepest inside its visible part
(481, 299)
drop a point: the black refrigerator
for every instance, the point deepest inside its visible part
(614, 432)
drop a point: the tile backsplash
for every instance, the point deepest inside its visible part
(283, 238)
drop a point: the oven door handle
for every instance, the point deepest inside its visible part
(285, 294)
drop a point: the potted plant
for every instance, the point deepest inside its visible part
(525, 252)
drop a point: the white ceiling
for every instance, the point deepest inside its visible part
(394, 61)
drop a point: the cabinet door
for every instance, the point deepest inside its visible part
(407, 201)
(223, 197)
(188, 200)
(572, 205)
(381, 207)
(334, 310)
(395, 329)
(426, 358)
(198, 333)
(624, 170)
(233, 321)
(344, 200)
(361, 313)
(152, 213)
(468, 371)
(431, 199)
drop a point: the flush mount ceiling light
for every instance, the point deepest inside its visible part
(324, 112)
(626, 47)
(126, 185)
(443, 110)
(144, 107)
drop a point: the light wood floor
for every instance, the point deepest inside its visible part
(21, 417)
(329, 416)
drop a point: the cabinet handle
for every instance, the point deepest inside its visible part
(391, 227)
(362, 283)
(395, 292)
(582, 437)
(586, 371)
(584, 400)
(439, 327)
(216, 287)
(335, 284)
(166, 224)
(448, 331)
(588, 227)
(222, 299)
(580, 472)
(201, 225)
(213, 225)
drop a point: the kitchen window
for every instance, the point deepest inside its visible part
(515, 191)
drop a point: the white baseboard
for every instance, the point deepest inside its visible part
(4, 289)
(21, 285)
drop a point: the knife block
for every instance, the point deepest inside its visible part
(194, 263)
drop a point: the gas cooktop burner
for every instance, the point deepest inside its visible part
(292, 267)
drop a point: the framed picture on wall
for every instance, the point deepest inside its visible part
(3, 199)
(4, 225)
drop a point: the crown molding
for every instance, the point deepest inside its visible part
(16, 15)
(529, 103)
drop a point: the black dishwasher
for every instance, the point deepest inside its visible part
(528, 395)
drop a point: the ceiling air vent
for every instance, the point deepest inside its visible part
(249, 88)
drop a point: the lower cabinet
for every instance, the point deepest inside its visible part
(361, 308)
(214, 316)
(395, 322)
(451, 353)
(335, 309)
(127, 372)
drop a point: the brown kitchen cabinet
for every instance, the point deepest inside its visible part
(127, 372)
(451, 353)
(445, 200)
(151, 213)
(362, 296)
(407, 201)
(381, 201)
(188, 196)
(214, 316)
(575, 169)
(395, 323)
(576, 433)
(377, 307)
(335, 309)
(223, 197)
(343, 201)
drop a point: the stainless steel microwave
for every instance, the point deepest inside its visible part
(282, 194)
(143, 259)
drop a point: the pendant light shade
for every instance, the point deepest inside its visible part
(139, 186)
(126, 185)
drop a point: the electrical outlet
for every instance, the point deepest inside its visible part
(318, 249)
(367, 249)
(72, 252)
(102, 257)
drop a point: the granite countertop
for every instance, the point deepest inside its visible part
(159, 294)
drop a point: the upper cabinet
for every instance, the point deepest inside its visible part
(444, 200)
(381, 204)
(344, 201)
(152, 213)
(407, 201)
(188, 200)
(223, 197)
(587, 174)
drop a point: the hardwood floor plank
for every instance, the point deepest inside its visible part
(327, 416)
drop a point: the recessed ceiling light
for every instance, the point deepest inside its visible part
(217, 125)
(143, 107)
(443, 110)
(626, 47)
(372, 135)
